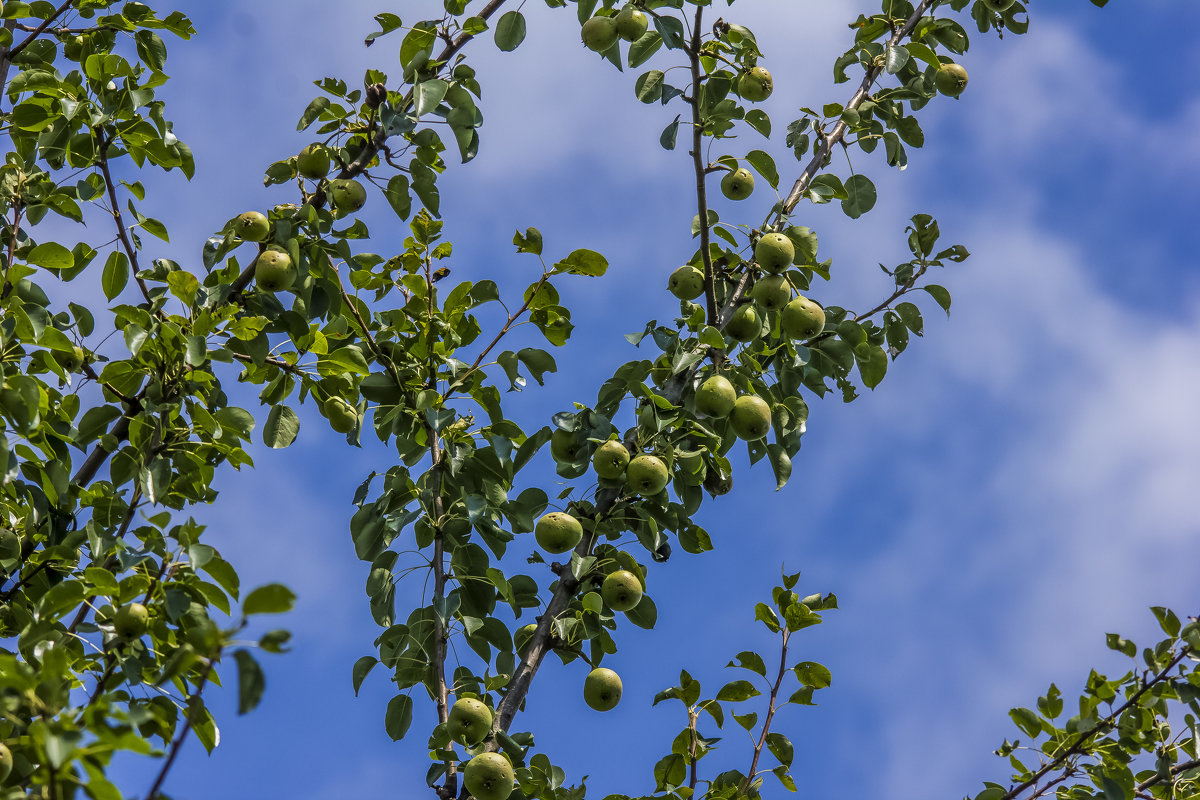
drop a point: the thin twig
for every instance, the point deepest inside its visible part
(693, 51)
(766, 728)
(13, 52)
(178, 743)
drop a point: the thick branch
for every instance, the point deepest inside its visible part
(839, 130)
(710, 299)
(450, 788)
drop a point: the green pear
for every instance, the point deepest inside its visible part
(745, 324)
(346, 195)
(621, 590)
(252, 226)
(774, 252)
(564, 446)
(470, 721)
(131, 621)
(599, 33)
(631, 23)
(737, 184)
(6, 762)
(489, 776)
(686, 283)
(343, 417)
(274, 270)
(602, 689)
(715, 397)
(950, 79)
(313, 162)
(756, 85)
(647, 475)
(802, 319)
(750, 417)
(610, 460)
(558, 532)
(772, 292)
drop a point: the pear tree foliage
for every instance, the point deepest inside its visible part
(117, 619)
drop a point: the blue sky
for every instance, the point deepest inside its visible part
(1023, 481)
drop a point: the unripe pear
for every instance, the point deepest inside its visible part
(599, 33)
(744, 325)
(647, 475)
(950, 79)
(610, 460)
(774, 252)
(558, 532)
(715, 397)
(6, 762)
(756, 85)
(737, 184)
(772, 292)
(686, 283)
(602, 689)
(131, 621)
(313, 162)
(470, 721)
(274, 270)
(346, 194)
(343, 417)
(621, 590)
(631, 23)
(802, 318)
(252, 226)
(750, 417)
(489, 776)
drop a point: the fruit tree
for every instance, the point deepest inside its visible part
(496, 540)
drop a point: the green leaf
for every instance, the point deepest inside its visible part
(748, 659)
(860, 196)
(780, 747)
(51, 255)
(1026, 720)
(274, 598)
(649, 86)
(510, 31)
(641, 50)
(940, 294)
(667, 139)
(894, 59)
(281, 427)
(583, 262)
(737, 691)
(810, 673)
(362, 668)
(314, 110)
(758, 119)
(398, 717)
(764, 165)
(644, 614)
(529, 242)
(251, 681)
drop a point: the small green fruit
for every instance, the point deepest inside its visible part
(489, 776)
(564, 446)
(647, 475)
(737, 184)
(715, 397)
(313, 162)
(557, 532)
(599, 33)
(602, 689)
(717, 484)
(750, 417)
(470, 721)
(253, 226)
(950, 79)
(6, 762)
(756, 85)
(610, 460)
(631, 24)
(524, 636)
(802, 319)
(274, 270)
(131, 621)
(346, 195)
(744, 325)
(70, 361)
(772, 292)
(686, 283)
(774, 252)
(343, 417)
(621, 590)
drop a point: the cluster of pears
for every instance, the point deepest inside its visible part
(601, 33)
(749, 415)
(755, 85)
(487, 776)
(800, 317)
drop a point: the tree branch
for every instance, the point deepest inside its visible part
(13, 52)
(178, 743)
(839, 130)
(698, 165)
(122, 234)
(762, 739)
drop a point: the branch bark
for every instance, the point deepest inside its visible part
(693, 51)
(762, 739)
(839, 130)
